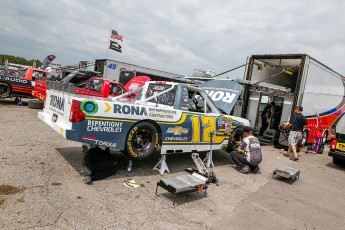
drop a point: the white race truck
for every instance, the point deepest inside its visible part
(174, 116)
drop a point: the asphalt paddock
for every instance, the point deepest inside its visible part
(41, 188)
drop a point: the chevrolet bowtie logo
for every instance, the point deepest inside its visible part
(178, 130)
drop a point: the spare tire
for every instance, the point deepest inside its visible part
(142, 140)
(5, 90)
(35, 104)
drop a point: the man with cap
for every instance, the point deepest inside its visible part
(296, 123)
(248, 155)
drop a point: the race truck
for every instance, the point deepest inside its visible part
(95, 87)
(176, 117)
(77, 77)
(20, 83)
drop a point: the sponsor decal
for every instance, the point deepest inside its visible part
(104, 126)
(177, 130)
(106, 144)
(89, 107)
(176, 138)
(57, 102)
(130, 109)
(89, 137)
(108, 107)
(13, 79)
(226, 97)
(161, 113)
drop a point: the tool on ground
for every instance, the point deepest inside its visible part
(183, 184)
(287, 172)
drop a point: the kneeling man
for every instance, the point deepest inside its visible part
(248, 155)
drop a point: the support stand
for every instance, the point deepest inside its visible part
(162, 166)
(208, 159)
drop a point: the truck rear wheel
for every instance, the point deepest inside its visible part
(5, 90)
(35, 104)
(142, 140)
(337, 161)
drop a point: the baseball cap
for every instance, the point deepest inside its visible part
(300, 108)
(247, 129)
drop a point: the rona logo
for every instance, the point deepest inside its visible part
(57, 102)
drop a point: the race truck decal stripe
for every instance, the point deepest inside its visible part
(108, 107)
(110, 119)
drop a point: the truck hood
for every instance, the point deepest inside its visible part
(223, 92)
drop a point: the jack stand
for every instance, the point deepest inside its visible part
(208, 159)
(162, 166)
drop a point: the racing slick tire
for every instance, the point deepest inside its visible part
(35, 104)
(142, 140)
(5, 90)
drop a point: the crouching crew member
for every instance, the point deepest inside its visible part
(248, 155)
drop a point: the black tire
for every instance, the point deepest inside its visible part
(234, 137)
(5, 90)
(142, 141)
(337, 161)
(35, 104)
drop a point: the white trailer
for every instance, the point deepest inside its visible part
(290, 80)
(123, 72)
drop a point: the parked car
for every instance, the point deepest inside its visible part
(337, 147)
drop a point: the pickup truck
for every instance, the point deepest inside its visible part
(94, 87)
(176, 117)
(20, 83)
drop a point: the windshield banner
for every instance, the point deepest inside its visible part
(224, 93)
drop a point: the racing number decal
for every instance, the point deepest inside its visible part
(206, 124)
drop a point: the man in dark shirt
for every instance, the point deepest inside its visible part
(248, 155)
(265, 116)
(296, 123)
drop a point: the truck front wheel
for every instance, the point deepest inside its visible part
(142, 140)
(5, 90)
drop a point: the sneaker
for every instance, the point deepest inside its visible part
(256, 169)
(245, 169)
(87, 179)
(85, 172)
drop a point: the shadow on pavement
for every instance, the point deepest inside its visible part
(338, 167)
(176, 162)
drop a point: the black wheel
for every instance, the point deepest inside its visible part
(234, 137)
(5, 90)
(142, 141)
(337, 161)
(35, 104)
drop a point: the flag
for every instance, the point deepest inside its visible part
(47, 61)
(115, 46)
(115, 35)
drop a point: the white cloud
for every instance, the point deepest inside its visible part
(174, 36)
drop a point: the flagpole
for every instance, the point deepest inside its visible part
(106, 57)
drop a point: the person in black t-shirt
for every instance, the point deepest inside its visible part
(265, 116)
(296, 123)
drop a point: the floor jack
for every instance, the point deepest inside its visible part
(204, 167)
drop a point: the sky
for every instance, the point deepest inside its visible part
(174, 36)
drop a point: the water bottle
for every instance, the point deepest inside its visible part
(129, 167)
